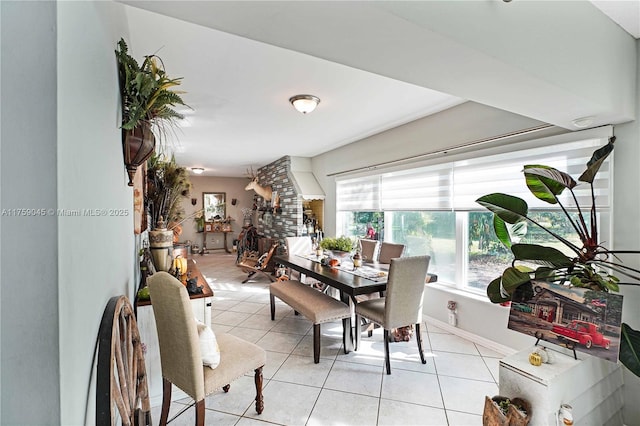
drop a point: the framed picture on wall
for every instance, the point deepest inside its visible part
(214, 205)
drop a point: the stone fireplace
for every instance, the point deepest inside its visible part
(301, 199)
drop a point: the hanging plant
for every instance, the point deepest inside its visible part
(148, 106)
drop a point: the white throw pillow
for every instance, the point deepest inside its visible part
(209, 348)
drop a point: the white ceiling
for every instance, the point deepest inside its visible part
(625, 13)
(239, 87)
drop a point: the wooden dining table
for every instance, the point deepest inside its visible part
(348, 283)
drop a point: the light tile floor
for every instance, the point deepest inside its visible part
(350, 389)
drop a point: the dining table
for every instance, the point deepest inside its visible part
(350, 282)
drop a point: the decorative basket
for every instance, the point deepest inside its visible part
(493, 415)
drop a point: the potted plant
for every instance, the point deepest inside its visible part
(340, 247)
(167, 185)
(590, 262)
(501, 410)
(148, 103)
(199, 220)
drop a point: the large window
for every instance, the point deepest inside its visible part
(432, 209)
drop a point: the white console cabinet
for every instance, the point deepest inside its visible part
(592, 386)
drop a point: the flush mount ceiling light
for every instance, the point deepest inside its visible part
(304, 103)
(197, 170)
(583, 122)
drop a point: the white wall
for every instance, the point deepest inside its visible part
(30, 388)
(627, 232)
(96, 254)
(233, 188)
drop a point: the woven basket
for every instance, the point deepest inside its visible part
(493, 416)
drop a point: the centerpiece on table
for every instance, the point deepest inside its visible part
(338, 248)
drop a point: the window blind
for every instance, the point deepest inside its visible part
(425, 188)
(358, 194)
(456, 185)
(475, 177)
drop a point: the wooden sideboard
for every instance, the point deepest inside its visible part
(225, 242)
(201, 304)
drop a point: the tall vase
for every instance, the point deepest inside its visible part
(161, 245)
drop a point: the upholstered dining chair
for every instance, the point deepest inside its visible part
(390, 251)
(180, 355)
(402, 304)
(298, 245)
(369, 248)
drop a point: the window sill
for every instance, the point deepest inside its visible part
(458, 292)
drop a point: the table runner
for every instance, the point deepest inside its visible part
(364, 271)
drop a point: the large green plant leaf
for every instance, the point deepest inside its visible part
(494, 292)
(509, 234)
(598, 157)
(500, 228)
(502, 288)
(630, 349)
(509, 208)
(541, 255)
(546, 183)
(512, 278)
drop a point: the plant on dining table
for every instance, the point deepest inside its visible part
(588, 266)
(337, 244)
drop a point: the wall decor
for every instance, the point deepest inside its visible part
(214, 205)
(571, 317)
(147, 106)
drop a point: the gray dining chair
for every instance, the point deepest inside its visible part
(369, 248)
(390, 251)
(402, 304)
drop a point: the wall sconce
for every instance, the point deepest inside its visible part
(234, 201)
(304, 103)
(197, 170)
(194, 201)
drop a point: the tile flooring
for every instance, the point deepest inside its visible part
(350, 389)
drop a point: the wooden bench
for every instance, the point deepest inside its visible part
(312, 304)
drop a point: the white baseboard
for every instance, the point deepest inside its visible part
(470, 336)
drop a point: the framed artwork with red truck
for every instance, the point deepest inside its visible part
(575, 318)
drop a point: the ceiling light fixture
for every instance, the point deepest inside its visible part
(304, 103)
(197, 170)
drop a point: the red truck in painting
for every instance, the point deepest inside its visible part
(581, 332)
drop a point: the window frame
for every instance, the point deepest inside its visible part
(462, 214)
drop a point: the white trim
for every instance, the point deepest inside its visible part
(603, 132)
(494, 346)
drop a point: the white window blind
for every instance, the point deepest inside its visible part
(456, 185)
(358, 194)
(503, 173)
(425, 188)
